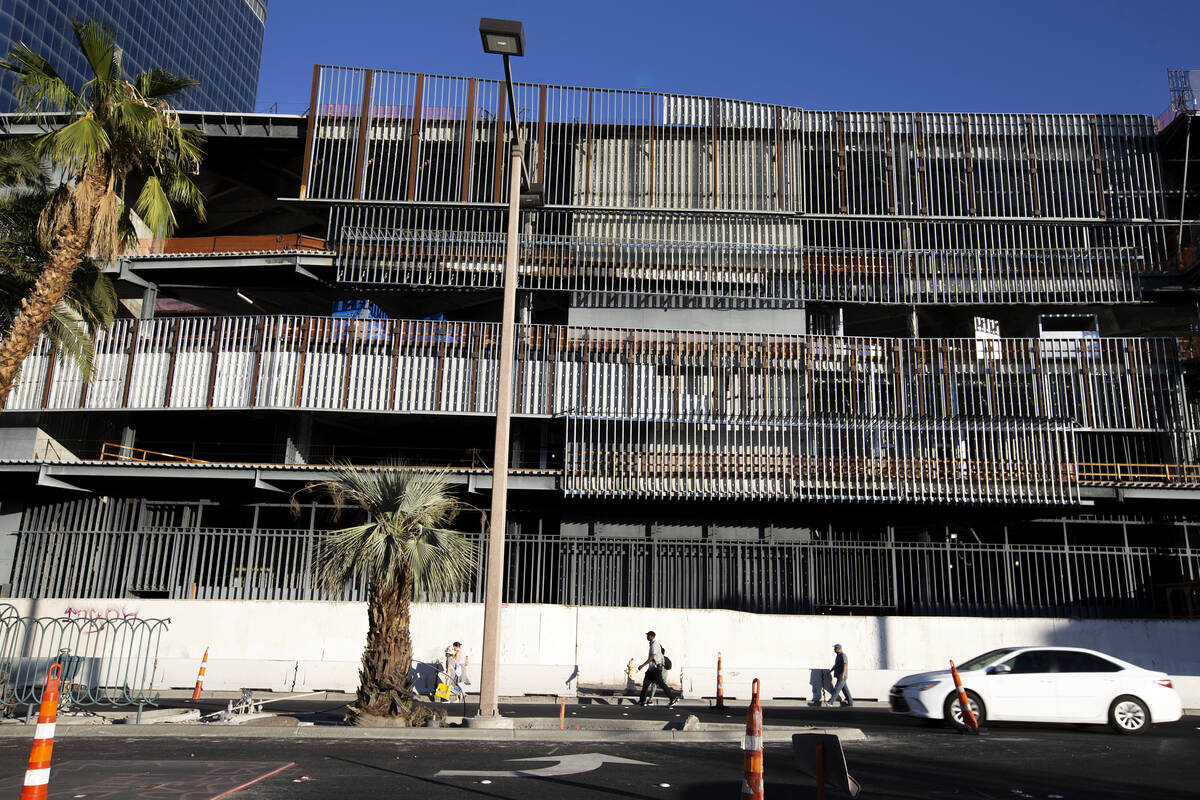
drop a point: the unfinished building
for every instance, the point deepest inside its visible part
(768, 358)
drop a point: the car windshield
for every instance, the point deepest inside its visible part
(986, 660)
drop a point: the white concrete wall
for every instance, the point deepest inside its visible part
(549, 649)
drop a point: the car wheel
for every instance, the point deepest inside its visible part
(952, 710)
(1129, 715)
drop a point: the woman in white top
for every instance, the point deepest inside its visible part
(460, 659)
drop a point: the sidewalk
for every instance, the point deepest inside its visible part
(178, 718)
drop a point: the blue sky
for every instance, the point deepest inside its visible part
(922, 55)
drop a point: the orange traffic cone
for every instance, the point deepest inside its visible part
(200, 677)
(37, 776)
(972, 724)
(752, 761)
(720, 684)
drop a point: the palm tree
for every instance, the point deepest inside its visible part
(91, 301)
(405, 544)
(120, 137)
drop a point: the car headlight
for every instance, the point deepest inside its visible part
(921, 687)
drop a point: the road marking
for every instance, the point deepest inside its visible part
(567, 765)
(236, 789)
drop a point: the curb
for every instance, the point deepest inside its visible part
(415, 734)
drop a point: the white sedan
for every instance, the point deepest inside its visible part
(1044, 684)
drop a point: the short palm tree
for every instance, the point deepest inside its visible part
(91, 301)
(120, 137)
(405, 544)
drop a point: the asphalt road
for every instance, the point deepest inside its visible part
(901, 759)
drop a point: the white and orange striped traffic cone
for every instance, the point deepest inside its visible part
(37, 776)
(720, 684)
(752, 761)
(972, 724)
(200, 677)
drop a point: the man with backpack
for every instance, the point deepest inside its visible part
(657, 662)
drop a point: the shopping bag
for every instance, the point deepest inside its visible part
(442, 692)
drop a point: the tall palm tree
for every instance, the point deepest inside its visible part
(120, 137)
(91, 301)
(405, 544)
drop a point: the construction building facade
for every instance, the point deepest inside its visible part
(767, 359)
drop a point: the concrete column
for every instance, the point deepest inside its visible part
(128, 436)
(149, 301)
(525, 308)
(11, 509)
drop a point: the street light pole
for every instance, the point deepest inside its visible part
(504, 37)
(489, 676)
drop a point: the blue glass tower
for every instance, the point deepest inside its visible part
(217, 42)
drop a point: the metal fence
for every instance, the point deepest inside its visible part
(662, 194)
(108, 658)
(753, 256)
(1009, 462)
(682, 413)
(800, 573)
(421, 366)
(404, 137)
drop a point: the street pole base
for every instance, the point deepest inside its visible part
(492, 723)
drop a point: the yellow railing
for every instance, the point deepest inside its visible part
(1098, 472)
(121, 452)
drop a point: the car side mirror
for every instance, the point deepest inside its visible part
(999, 669)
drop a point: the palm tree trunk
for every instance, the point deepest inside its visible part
(383, 689)
(50, 288)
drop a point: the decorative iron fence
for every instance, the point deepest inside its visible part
(796, 573)
(108, 658)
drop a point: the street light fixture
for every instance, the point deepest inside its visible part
(506, 38)
(502, 37)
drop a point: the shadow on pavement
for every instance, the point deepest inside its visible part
(455, 786)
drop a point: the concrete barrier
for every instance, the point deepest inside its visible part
(550, 650)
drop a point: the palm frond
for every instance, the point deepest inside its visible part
(158, 83)
(182, 190)
(39, 87)
(107, 241)
(92, 296)
(441, 560)
(69, 336)
(76, 144)
(405, 534)
(59, 212)
(98, 45)
(154, 207)
(20, 168)
(136, 116)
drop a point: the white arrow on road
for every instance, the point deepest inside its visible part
(567, 765)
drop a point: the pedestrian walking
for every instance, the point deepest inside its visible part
(452, 672)
(460, 659)
(656, 662)
(841, 668)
